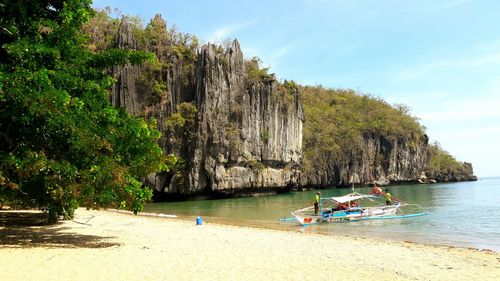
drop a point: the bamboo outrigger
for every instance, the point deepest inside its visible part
(350, 207)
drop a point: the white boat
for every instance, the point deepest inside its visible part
(353, 207)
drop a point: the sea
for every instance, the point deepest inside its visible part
(462, 214)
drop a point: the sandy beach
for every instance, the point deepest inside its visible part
(106, 245)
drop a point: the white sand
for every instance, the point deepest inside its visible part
(116, 246)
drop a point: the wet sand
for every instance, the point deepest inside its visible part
(105, 245)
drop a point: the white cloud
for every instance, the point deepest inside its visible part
(434, 5)
(281, 51)
(491, 46)
(481, 61)
(472, 144)
(229, 30)
(416, 5)
(478, 61)
(464, 110)
(250, 51)
(316, 2)
(438, 108)
(466, 125)
(270, 57)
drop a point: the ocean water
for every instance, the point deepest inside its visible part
(465, 214)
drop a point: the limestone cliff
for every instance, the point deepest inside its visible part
(375, 158)
(234, 129)
(244, 136)
(242, 124)
(465, 173)
(355, 139)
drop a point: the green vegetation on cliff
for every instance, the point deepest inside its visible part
(336, 121)
(254, 71)
(61, 142)
(444, 167)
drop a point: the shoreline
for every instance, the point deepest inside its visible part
(106, 245)
(283, 227)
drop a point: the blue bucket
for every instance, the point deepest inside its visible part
(199, 220)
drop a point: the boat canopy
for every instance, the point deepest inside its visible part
(349, 198)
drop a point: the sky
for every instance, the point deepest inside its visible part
(441, 58)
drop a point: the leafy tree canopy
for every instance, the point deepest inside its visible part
(442, 162)
(337, 119)
(61, 142)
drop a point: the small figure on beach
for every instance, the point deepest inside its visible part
(388, 197)
(316, 203)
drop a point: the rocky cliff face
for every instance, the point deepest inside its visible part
(465, 174)
(386, 162)
(375, 158)
(244, 136)
(233, 133)
(247, 137)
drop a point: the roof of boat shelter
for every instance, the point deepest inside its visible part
(348, 198)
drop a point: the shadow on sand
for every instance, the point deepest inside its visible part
(22, 229)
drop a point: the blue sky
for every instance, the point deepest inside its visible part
(439, 57)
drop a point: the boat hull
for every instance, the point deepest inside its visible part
(346, 215)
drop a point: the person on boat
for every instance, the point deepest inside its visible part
(388, 197)
(343, 206)
(376, 190)
(340, 207)
(316, 203)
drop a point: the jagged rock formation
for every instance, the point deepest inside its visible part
(124, 93)
(244, 137)
(241, 124)
(376, 159)
(385, 162)
(244, 134)
(465, 174)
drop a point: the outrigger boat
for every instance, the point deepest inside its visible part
(351, 207)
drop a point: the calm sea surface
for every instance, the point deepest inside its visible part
(463, 214)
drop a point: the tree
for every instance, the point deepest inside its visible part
(337, 121)
(442, 163)
(61, 142)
